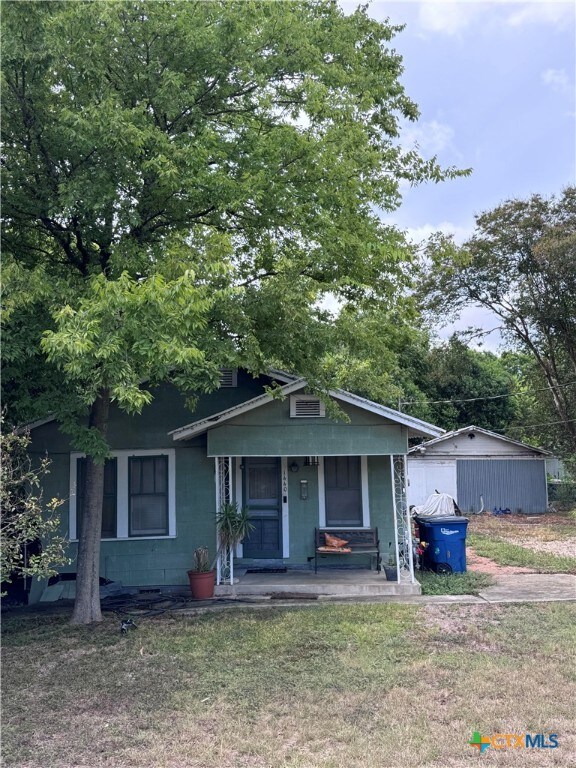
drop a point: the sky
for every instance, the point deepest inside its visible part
(495, 84)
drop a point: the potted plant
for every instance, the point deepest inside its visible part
(202, 575)
(233, 526)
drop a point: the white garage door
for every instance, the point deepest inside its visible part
(426, 477)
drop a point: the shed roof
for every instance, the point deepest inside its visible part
(471, 429)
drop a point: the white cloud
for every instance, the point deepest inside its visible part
(423, 232)
(557, 79)
(449, 18)
(432, 137)
(475, 317)
(559, 13)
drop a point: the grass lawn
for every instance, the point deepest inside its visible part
(325, 686)
(544, 543)
(505, 553)
(469, 583)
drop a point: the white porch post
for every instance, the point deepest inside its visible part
(402, 523)
(225, 557)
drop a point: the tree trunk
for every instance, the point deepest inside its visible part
(87, 604)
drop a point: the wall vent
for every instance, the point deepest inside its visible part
(228, 377)
(306, 407)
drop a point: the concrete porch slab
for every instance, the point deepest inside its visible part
(344, 583)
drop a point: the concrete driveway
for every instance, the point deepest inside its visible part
(531, 587)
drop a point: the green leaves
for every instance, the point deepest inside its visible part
(127, 331)
(136, 122)
(25, 516)
(520, 263)
(184, 182)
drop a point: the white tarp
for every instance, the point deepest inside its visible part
(436, 505)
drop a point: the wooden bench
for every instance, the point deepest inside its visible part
(360, 541)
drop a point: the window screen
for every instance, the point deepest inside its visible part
(109, 502)
(148, 489)
(343, 490)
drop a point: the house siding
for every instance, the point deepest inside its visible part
(303, 514)
(270, 431)
(164, 561)
(381, 497)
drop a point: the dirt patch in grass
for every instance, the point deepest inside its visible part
(479, 564)
(505, 553)
(548, 527)
(562, 548)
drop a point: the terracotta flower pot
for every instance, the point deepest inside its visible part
(202, 584)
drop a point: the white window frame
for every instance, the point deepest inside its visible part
(122, 494)
(365, 498)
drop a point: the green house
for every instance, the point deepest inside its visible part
(294, 466)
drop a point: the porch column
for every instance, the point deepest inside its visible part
(402, 523)
(224, 557)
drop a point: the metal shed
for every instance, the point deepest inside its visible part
(480, 469)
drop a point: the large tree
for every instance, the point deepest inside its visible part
(183, 182)
(520, 264)
(466, 386)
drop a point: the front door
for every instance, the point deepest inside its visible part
(262, 497)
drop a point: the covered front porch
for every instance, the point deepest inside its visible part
(240, 572)
(296, 470)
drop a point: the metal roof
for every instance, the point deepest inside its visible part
(197, 427)
(472, 428)
(416, 426)
(292, 384)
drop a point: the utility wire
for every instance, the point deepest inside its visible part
(544, 424)
(487, 397)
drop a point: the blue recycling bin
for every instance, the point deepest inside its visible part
(446, 540)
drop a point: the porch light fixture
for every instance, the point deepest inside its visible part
(294, 466)
(311, 461)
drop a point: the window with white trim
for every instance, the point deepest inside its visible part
(148, 495)
(343, 489)
(139, 494)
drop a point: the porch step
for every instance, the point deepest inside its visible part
(335, 583)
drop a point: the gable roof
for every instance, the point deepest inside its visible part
(472, 428)
(280, 376)
(30, 425)
(416, 426)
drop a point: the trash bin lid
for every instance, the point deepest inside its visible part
(451, 519)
